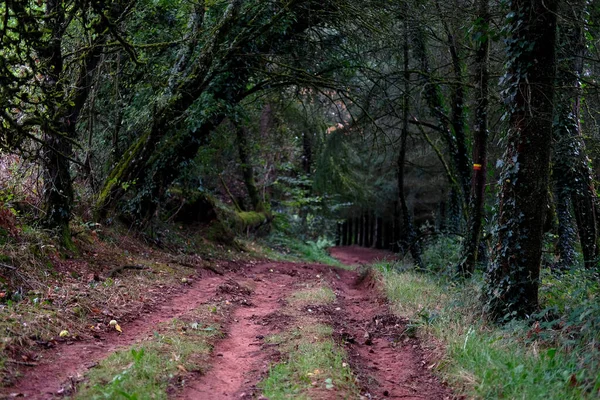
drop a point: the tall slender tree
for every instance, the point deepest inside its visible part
(482, 40)
(574, 182)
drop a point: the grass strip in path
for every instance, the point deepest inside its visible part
(312, 364)
(160, 364)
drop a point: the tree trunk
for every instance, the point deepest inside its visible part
(445, 125)
(573, 174)
(409, 234)
(471, 246)
(361, 231)
(461, 156)
(567, 234)
(58, 186)
(376, 235)
(248, 170)
(513, 278)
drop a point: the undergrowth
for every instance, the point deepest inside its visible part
(552, 355)
(45, 290)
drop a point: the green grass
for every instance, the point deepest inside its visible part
(516, 361)
(146, 371)
(290, 249)
(313, 363)
(317, 295)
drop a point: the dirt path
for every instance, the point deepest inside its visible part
(59, 367)
(239, 360)
(387, 364)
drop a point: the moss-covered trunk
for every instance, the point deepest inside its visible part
(513, 278)
(58, 186)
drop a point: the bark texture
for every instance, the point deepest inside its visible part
(513, 277)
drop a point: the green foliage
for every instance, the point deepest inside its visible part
(442, 254)
(303, 214)
(311, 251)
(552, 356)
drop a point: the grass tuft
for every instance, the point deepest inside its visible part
(319, 295)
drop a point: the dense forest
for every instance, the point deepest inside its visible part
(396, 125)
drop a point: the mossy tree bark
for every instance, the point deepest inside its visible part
(63, 100)
(513, 278)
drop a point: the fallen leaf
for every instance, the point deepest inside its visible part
(573, 380)
(182, 368)
(117, 327)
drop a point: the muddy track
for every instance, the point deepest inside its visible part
(240, 359)
(60, 366)
(387, 364)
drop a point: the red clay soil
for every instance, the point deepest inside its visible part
(355, 255)
(387, 364)
(239, 359)
(59, 367)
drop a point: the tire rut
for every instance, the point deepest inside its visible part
(387, 364)
(239, 360)
(61, 366)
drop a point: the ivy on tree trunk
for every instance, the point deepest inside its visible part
(513, 278)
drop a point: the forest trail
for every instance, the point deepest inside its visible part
(386, 363)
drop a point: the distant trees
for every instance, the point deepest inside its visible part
(575, 191)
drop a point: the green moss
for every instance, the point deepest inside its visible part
(116, 176)
(252, 219)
